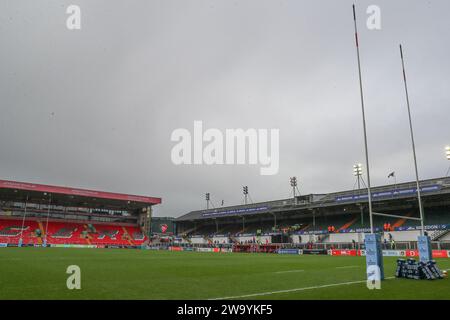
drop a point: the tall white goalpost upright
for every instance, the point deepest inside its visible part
(372, 241)
(423, 241)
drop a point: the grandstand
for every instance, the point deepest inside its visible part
(35, 214)
(307, 218)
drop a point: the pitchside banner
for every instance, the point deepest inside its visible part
(338, 252)
(288, 251)
(392, 253)
(374, 254)
(91, 246)
(314, 251)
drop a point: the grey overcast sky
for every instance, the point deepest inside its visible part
(95, 108)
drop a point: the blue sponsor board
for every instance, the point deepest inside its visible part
(3, 245)
(424, 246)
(428, 227)
(314, 251)
(374, 254)
(235, 211)
(436, 227)
(311, 232)
(378, 229)
(364, 230)
(288, 251)
(389, 193)
(272, 233)
(152, 248)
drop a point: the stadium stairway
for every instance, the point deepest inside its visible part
(187, 232)
(223, 230)
(127, 236)
(400, 221)
(186, 238)
(242, 231)
(348, 224)
(322, 238)
(208, 239)
(41, 226)
(88, 237)
(304, 228)
(438, 234)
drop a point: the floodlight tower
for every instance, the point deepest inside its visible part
(357, 172)
(245, 191)
(207, 197)
(293, 181)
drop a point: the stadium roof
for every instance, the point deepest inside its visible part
(399, 192)
(14, 190)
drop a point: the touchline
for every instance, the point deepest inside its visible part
(236, 146)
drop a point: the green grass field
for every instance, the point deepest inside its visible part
(40, 273)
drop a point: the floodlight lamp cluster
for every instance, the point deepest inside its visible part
(357, 169)
(293, 181)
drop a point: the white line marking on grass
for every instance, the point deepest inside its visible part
(289, 271)
(293, 290)
(346, 267)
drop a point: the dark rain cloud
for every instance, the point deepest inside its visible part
(95, 108)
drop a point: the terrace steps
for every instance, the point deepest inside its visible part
(187, 232)
(348, 224)
(400, 222)
(41, 226)
(127, 235)
(305, 227)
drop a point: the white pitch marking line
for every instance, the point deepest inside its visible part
(289, 271)
(346, 267)
(293, 290)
